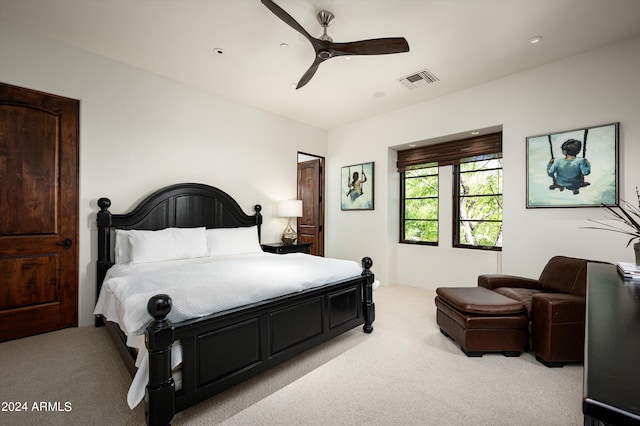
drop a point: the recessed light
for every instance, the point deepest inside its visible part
(475, 133)
(378, 94)
(284, 45)
(412, 145)
(535, 40)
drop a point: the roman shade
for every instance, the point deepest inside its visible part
(448, 153)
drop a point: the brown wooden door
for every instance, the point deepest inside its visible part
(311, 192)
(38, 212)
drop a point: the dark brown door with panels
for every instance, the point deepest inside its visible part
(311, 192)
(38, 212)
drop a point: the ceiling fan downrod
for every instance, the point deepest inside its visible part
(325, 18)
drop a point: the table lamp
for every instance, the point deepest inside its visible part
(289, 209)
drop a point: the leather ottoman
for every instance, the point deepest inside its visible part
(481, 320)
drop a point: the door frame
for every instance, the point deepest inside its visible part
(299, 159)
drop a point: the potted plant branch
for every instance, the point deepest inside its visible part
(627, 218)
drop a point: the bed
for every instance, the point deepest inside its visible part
(221, 349)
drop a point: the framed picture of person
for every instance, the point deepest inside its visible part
(573, 168)
(357, 187)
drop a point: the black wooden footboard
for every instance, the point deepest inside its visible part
(227, 348)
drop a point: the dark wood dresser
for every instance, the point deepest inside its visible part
(612, 349)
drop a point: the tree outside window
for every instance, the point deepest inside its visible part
(478, 203)
(419, 205)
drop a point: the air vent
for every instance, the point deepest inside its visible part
(418, 79)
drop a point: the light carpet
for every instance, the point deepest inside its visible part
(404, 373)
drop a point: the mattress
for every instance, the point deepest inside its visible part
(203, 286)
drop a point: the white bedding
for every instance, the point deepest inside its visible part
(203, 286)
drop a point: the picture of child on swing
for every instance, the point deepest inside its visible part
(357, 187)
(569, 172)
(560, 175)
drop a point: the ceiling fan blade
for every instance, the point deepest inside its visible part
(310, 72)
(286, 18)
(377, 46)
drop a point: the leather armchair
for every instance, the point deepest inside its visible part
(554, 305)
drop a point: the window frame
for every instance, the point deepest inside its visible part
(401, 236)
(456, 205)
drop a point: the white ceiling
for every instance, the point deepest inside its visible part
(462, 42)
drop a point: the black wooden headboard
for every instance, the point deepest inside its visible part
(184, 205)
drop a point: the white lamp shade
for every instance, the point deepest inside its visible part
(289, 208)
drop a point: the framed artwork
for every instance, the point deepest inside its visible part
(357, 187)
(574, 168)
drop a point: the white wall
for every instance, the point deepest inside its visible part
(597, 87)
(139, 132)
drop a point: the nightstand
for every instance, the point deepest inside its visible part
(280, 248)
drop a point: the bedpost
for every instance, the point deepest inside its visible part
(369, 306)
(104, 248)
(159, 396)
(258, 209)
(104, 225)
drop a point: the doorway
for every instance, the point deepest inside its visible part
(311, 192)
(38, 212)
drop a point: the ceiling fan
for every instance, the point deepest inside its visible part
(325, 48)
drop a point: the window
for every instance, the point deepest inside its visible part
(419, 205)
(478, 203)
(477, 192)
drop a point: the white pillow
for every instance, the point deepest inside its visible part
(227, 241)
(167, 244)
(122, 247)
